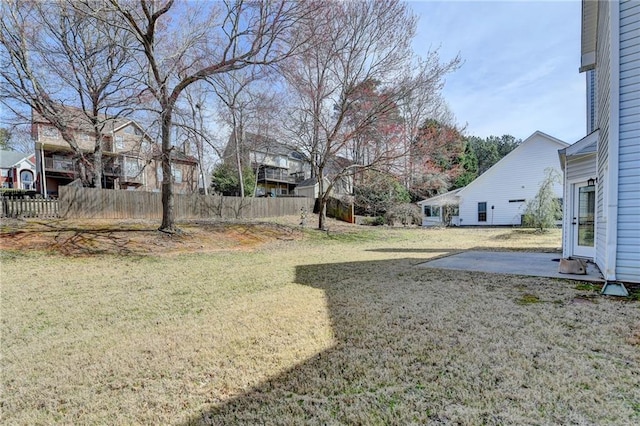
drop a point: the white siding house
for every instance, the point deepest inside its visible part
(309, 187)
(434, 209)
(499, 196)
(602, 184)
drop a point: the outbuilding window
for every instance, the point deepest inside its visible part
(482, 211)
(431, 211)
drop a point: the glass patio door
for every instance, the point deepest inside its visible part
(584, 220)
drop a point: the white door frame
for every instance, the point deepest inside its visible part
(577, 250)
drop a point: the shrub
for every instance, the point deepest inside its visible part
(542, 212)
(373, 221)
(375, 193)
(406, 214)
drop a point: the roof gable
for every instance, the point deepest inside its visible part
(536, 137)
(8, 159)
(450, 197)
(121, 124)
(585, 146)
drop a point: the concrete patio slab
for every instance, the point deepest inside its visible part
(515, 263)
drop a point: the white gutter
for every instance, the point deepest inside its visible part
(613, 146)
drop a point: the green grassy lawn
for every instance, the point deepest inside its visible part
(337, 328)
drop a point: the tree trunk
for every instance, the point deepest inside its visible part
(82, 171)
(97, 168)
(322, 214)
(237, 141)
(168, 220)
(322, 197)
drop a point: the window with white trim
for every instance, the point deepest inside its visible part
(177, 174)
(482, 211)
(132, 167)
(119, 142)
(50, 132)
(431, 211)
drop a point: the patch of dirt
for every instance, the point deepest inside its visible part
(634, 339)
(94, 237)
(585, 298)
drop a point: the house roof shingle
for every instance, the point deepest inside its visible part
(10, 158)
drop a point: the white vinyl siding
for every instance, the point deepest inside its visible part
(592, 101)
(628, 255)
(515, 177)
(581, 168)
(577, 169)
(603, 95)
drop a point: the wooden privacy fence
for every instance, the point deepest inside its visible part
(29, 207)
(338, 209)
(91, 203)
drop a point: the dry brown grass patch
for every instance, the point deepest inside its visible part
(255, 323)
(100, 237)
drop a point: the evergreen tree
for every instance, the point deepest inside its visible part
(469, 163)
(490, 150)
(5, 137)
(225, 180)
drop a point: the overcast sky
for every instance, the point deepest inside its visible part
(520, 64)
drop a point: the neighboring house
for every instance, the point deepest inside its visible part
(601, 219)
(499, 196)
(17, 170)
(130, 158)
(282, 169)
(278, 167)
(310, 188)
(343, 183)
(184, 171)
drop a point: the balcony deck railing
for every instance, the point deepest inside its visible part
(114, 170)
(279, 175)
(60, 165)
(117, 170)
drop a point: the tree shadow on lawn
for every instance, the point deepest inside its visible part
(451, 251)
(78, 240)
(416, 346)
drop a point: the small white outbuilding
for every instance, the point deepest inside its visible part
(499, 196)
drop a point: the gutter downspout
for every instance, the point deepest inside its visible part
(44, 175)
(611, 249)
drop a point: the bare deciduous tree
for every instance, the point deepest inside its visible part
(68, 67)
(424, 101)
(246, 106)
(186, 42)
(352, 44)
(192, 120)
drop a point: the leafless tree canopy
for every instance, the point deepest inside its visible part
(182, 43)
(66, 66)
(356, 94)
(354, 76)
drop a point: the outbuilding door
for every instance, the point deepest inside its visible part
(584, 220)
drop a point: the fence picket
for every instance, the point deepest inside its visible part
(92, 203)
(29, 208)
(84, 203)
